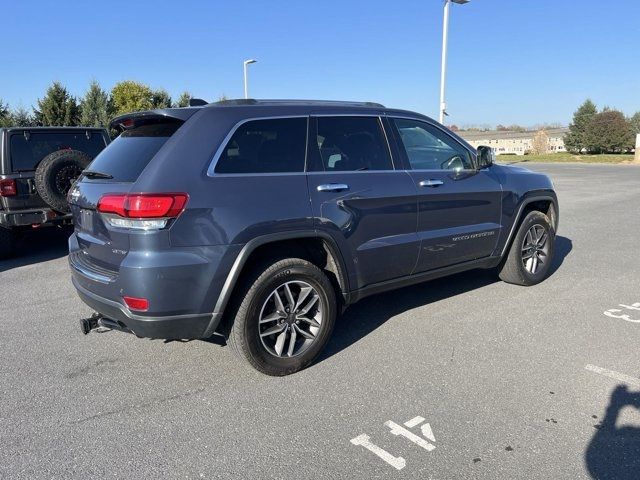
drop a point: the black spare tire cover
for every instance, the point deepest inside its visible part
(55, 176)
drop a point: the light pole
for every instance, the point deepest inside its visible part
(246, 86)
(443, 67)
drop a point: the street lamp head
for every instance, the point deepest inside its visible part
(247, 62)
(460, 2)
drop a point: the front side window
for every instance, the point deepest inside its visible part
(352, 144)
(428, 148)
(275, 145)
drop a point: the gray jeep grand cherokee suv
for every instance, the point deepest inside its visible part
(262, 220)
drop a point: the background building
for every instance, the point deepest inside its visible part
(519, 143)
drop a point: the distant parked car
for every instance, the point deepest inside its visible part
(263, 220)
(38, 165)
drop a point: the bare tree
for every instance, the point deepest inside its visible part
(540, 143)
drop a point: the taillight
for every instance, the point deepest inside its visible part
(138, 304)
(8, 188)
(144, 211)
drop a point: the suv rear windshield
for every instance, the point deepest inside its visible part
(126, 157)
(27, 148)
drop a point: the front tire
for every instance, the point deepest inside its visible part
(531, 253)
(285, 317)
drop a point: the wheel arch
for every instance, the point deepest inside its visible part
(306, 244)
(546, 203)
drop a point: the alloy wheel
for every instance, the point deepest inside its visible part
(290, 319)
(535, 248)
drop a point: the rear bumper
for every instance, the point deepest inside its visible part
(32, 217)
(166, 327)
(182, 286)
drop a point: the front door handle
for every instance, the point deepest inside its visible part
(332, 187)
(431, 183)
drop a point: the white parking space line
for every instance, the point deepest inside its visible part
(621, 377)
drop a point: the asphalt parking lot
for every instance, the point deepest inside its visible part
(504, 381)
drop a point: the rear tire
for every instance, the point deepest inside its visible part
(55, 175)
(531, 253)
(7, 242)
(274, 299)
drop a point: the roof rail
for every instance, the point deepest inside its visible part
(253, 101)
(236, 101)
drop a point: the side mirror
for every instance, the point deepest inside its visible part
(486, 156)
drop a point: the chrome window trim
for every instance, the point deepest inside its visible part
(444, 130)
(211, 170)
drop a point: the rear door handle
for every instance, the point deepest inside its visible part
(332, 187)
(431, 183)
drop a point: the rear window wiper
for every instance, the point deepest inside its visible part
(92, 174)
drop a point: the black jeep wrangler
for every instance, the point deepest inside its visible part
(38, 165)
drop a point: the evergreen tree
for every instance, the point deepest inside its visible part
(161, 99)
(57, 108)
(95, 107)
(183, 99)
(575, 140)
(5, 116)
(21, 117)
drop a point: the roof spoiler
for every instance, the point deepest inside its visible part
(197, 102)
(135, 119)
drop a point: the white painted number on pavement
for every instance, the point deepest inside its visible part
(617, 313)
(399, 463)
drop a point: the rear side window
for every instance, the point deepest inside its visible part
(266, 146)
(126, 157)
(27, 150)
(352, 144)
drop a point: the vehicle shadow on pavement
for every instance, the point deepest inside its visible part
(563, 247)
(614, 452)
(38, 246)
(366, 316)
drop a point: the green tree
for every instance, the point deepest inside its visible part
(95, 107)
(161, 99)
(575, 140)
(183, 99)
(609, 132)
(130, 96)
(21, 117)
(57, 107)
(5, 114)
(634, 122)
